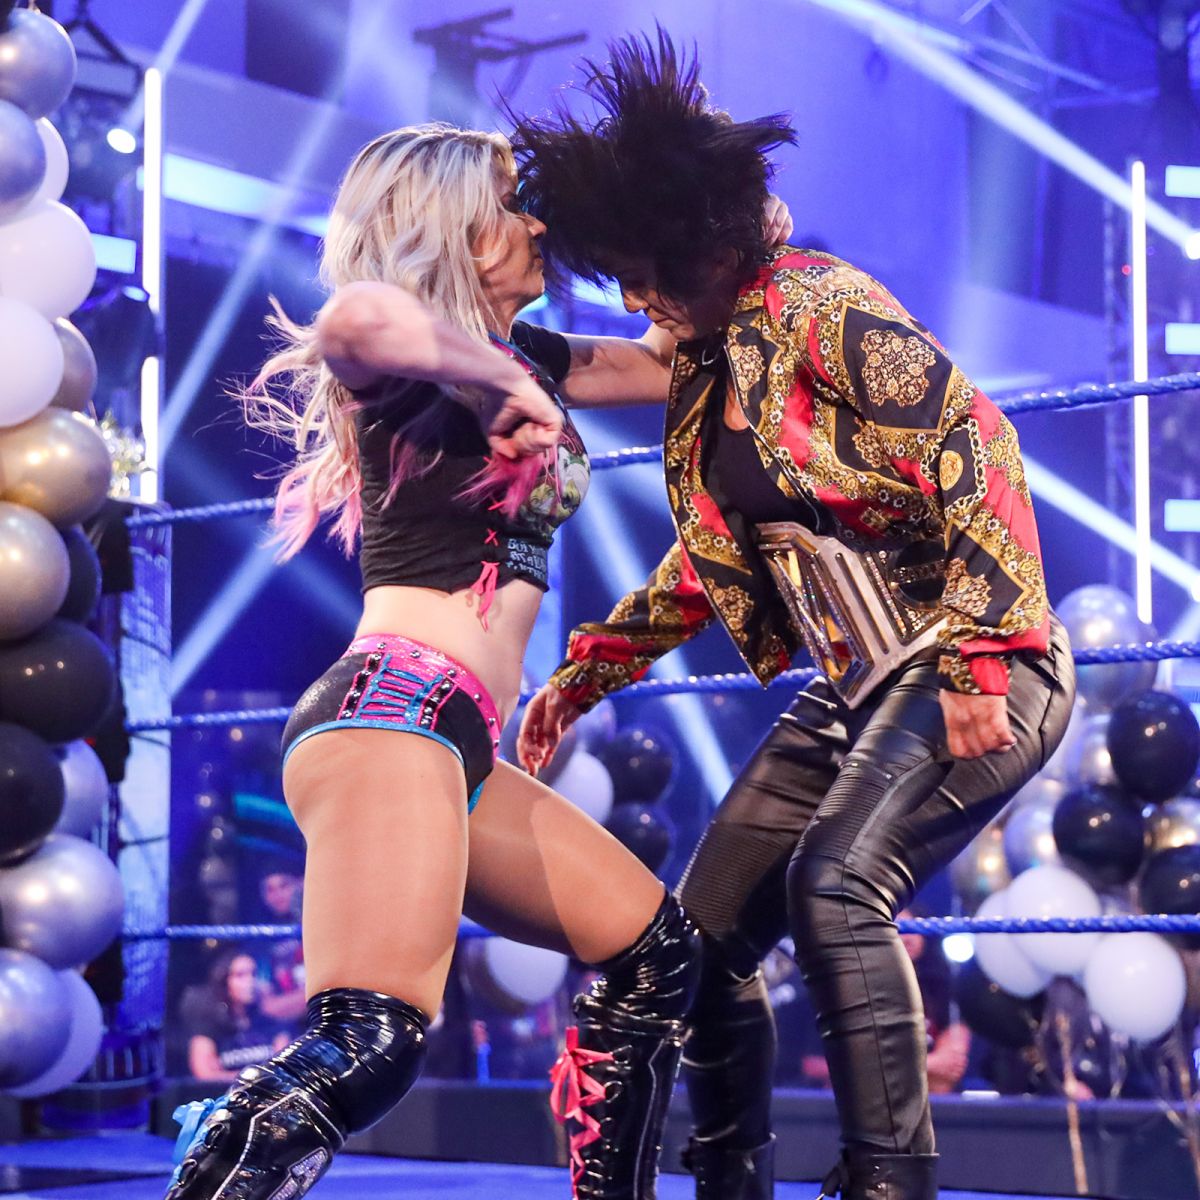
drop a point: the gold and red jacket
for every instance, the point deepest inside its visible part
(855, 405)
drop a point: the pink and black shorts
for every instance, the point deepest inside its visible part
(389, 682)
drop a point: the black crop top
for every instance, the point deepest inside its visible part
(427, 534)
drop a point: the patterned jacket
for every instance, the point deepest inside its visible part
(855, 406)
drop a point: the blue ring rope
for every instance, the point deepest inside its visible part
(1083, 395)
(704, 684)
(933, 926)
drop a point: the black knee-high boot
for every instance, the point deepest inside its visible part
(274, 1133)
(613, 1083)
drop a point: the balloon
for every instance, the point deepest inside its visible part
(34, 571)
(22, 160)
(33, 362)
(85, 787)
(1170, 884)
(641, 763)
(86, 1028)
(1098, 831)
(1175, 823)
(587, 784)
(1049, 891)
(31, 792)
(1029, 838)
(597, 727)
(512, 976)
(79, 369)
(59, 682)
(83, 588)
(991, 1012)
(1001, 957)
(1089, 760)
(47, 259)
(981, 868)
(57, 464)
(643, 830)
(54, 181)
(1099, 615)
(1154, 741)
(562, 756)
(1058, 765)
(1136, 984)
(37, 62)
(1042, 789)
(64, 903)
(35, 1017)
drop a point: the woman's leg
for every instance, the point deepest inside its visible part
(735, 889)
(898, 811)
(542, 871)
(384, 815)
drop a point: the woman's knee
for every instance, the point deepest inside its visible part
(826, 898)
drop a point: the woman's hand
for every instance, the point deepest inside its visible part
(777, 221)
(521, 423)
(547, 717)
(976, 725)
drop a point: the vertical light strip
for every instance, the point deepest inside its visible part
(1138, 316)
(150, 482)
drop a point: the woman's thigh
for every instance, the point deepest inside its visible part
(542, 871)
(384, 815)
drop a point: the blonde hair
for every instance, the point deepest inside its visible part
(410, 208)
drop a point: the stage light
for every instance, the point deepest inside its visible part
(958, 947)
(121, 140)
(1192, 246)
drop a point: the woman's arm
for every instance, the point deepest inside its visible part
(615, 370)
(367, 330)
(203, 1060)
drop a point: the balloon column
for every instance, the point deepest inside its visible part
(642, 765)
(1105, 813)
(60, 897)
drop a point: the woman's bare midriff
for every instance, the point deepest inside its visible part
(450, 623)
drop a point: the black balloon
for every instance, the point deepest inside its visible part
(31, 792)
(641, 763)
(992, 1012)
(643, 830)
(1154, 743)
(1171, 884)
(1098, 830)
(83, 590)
(59, 682)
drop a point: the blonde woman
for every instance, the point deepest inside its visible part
(427, 422)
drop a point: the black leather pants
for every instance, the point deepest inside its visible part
(829, 830)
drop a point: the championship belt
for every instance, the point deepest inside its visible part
(860, 614)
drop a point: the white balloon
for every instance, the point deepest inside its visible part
(54, 182)
(1043, 892)
(527, 973)
(47, 260)
(32, 367)
(86, 789)
(1001, 957)
(585, 781)
(83, 1041)
(1136, 984)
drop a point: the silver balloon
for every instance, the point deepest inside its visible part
(37, 63)
(22, 162)
(1176, 823)
(1089, 760)
(1058, 765)
(64, 903)
(85, 788)
(980, 869)
(79, 369)
(35, 1017)
(56, 463)
(35, 571)
(1041, 789)
(1029, 838)
(1100, 615)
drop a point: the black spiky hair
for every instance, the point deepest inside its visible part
(660, 175)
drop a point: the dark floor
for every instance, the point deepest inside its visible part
(28, 1169)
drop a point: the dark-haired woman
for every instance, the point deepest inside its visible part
(835, 481)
